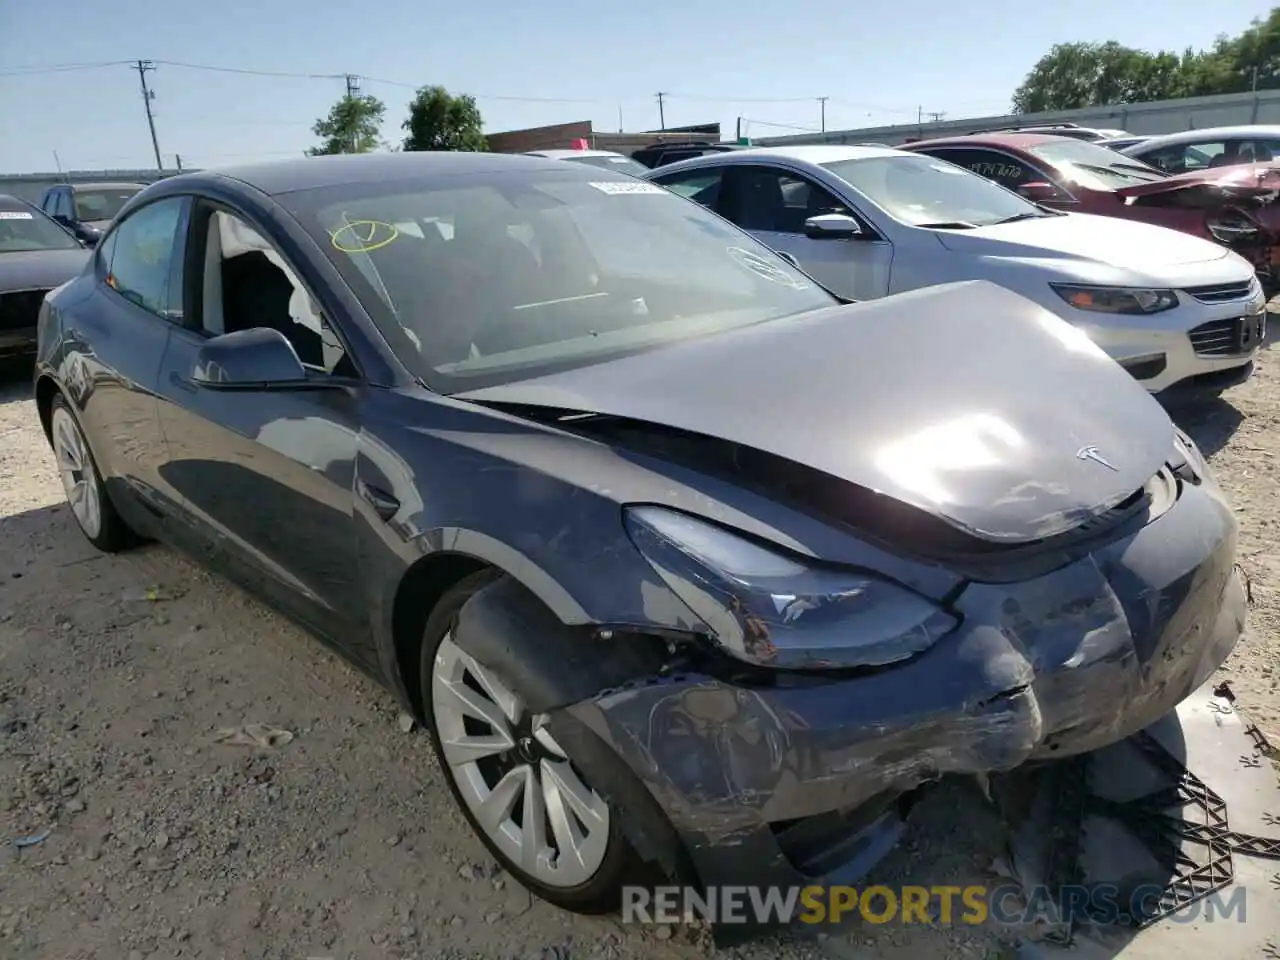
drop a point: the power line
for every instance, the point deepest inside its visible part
(143, 67)
(61, 68)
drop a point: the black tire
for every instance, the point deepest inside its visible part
(603, 892)
(113, 534)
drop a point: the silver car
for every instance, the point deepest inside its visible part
(1185, 316)
(1191, 150)
(595, 158)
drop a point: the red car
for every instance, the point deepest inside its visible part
(1232, 205)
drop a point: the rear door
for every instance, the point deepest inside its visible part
(266, 476)
(116, 340)
(772, 203)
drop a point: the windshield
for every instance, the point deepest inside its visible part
(621, 164)
(491, 278)
(928, 192)
(25, 229)
(102, 204)
(1094, 166)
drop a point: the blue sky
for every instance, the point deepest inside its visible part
(716, 58)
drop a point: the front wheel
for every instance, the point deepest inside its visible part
(82, 483)
(517, 787)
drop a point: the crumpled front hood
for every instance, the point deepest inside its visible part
(964, 400)
(1259, 181)
(40, 269)
(1125, 244)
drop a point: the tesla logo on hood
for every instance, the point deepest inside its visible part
(1091, 453)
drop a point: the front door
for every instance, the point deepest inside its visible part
(773, 203)
(266, 475)
(136, 303)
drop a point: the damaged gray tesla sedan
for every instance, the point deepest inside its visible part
(685, 563)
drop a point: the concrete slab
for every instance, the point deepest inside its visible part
(1210, 736)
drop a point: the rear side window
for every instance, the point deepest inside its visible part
(1005, 170)
(140, 261)
(702, 186)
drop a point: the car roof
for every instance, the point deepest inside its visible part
(1210, 133)
(816, 154)
(106, 185)
(1017, 141)
(562, 154)
(277, 177)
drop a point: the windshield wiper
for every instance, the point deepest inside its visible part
(1116, 170)
(949, 225)
(1025, 215)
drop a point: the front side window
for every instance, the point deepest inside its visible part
(778, 201)
(24, 228)
(506, 276)
(140, 258)
(925, 191)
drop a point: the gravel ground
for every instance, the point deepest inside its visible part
(343, 842)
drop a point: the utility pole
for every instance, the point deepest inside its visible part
(822, 112)
(143, 67)
(936, 115)
(662, 114)
(919, 115)
(620, 118)
(177, 159)
(353, 91)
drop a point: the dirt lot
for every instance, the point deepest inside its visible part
(342, 842)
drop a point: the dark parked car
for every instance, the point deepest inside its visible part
(681, 560)
(36, 255)
(87, 209)
(670, 151)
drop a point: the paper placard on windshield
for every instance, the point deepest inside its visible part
(15, 215)
(617, 187)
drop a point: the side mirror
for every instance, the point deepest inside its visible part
(1038, 191)
(789, 257)
(256, 359)
(832, 226)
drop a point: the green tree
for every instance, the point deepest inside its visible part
(1075, 75)
(352, 126)
(439, 120)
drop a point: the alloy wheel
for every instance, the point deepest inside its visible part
(517, 782)
(79, 477)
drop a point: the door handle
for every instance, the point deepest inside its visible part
(384, 505)
(181, 382)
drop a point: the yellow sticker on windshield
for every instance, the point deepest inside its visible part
(361, 236)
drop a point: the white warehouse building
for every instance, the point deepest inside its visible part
(1156, 117)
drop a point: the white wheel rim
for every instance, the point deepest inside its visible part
(75, 467)
(513, 776)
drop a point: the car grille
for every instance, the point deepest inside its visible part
(20, 309)
(1223, 292)
(1228, 338)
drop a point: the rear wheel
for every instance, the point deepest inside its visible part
(517, 787)
(82, 483)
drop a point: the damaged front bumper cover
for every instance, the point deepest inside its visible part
(789, 783)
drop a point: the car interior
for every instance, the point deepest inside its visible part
(247, 284)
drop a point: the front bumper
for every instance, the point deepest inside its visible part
(1061, 664)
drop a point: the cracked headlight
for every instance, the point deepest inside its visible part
(1127, 300)
(772, 609)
